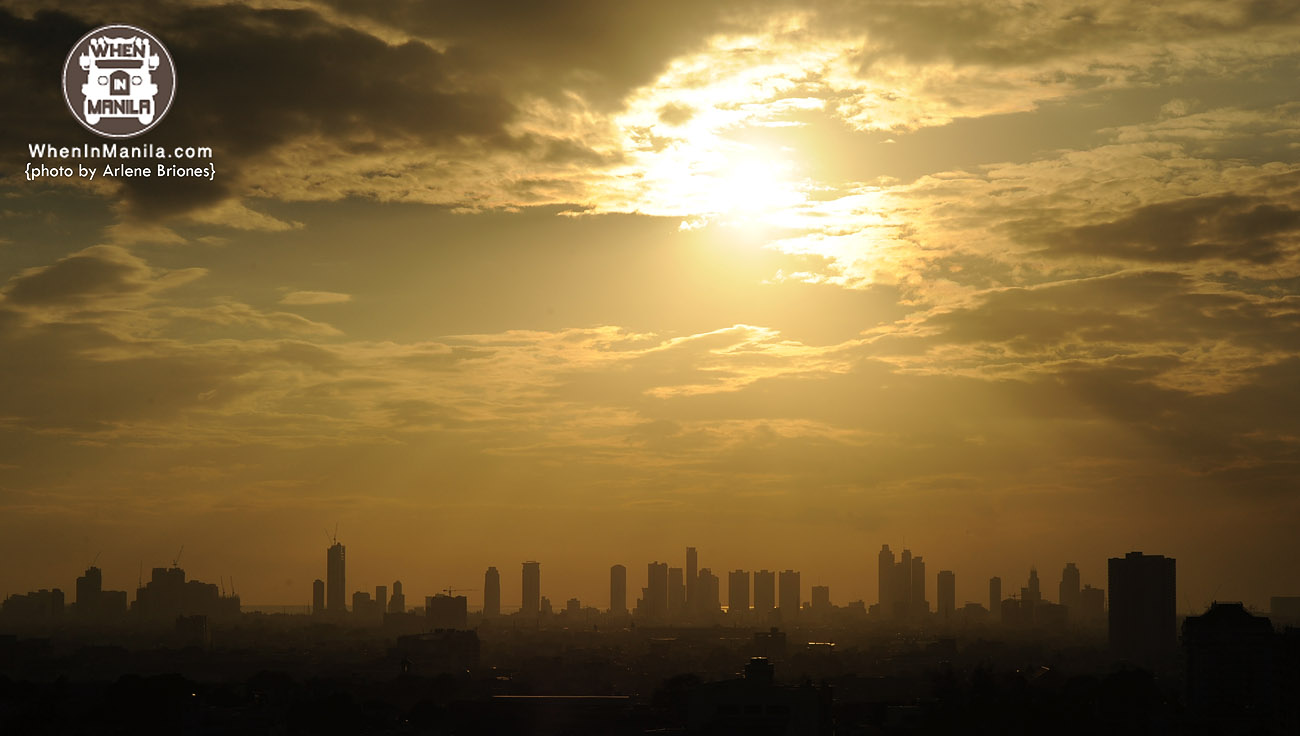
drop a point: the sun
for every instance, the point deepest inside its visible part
(754, 187)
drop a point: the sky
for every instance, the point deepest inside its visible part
(1006, 283)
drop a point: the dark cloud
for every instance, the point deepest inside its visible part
(96, 273)
(1227, 227)
(967, 32)
(250, 81)
(603, 49)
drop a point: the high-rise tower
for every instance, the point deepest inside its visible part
(491, 593)
(336, 578)
(1143, 614)
(532, 604)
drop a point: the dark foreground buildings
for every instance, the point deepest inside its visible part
(1143, 614)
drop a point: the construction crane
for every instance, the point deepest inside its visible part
(177, 562)
(450, 591)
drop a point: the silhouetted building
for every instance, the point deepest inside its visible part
(1232, 667)
(764, 592)
(821, 602)
(790, 591)
(654, 601)
(366, 610)
(919, 604)
(168, 595)
(885, 584)
(318, 596)
(447, 612)
(618, 590)
(532, 589)
(491, 593)
(946, 595)
(381, 599)
(995, 597)
(676, 593)
(1143, 615)
(901, 585)
(336, 579)
(94, 605)
(1092, 606)
(737, 593)
(692, 579)
(707, 588)
(1069, 589)
(397, 604)
(40, 607)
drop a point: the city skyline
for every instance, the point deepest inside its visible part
(941, 598)
(1007, 283)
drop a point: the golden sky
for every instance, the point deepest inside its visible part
(586, 282)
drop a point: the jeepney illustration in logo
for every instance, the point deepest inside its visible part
(119, 81)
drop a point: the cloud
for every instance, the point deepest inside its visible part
(312, 298)
(100, 273)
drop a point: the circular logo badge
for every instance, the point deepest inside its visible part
(119, 81)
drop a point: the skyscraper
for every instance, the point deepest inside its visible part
(919, 605)
(885, 580)
(676, 593)
(821, 599)
(692, 578)
(790, 589)
(764, 592)
(1069, 588)
(381, 598)
(532, 604)
(491, 593)
(737, 593)
(318, 597)
(618, 590)
(995, 597)
(655, 599)
(710, 602)
(336, 579)
(397, 604)
(1092, 605)
(946, 595)
(1143, 614)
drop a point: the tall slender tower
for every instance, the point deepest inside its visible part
(491, 593)
(790, 589)
(764, 592)
(885, 581)
(618, 590)
(946, 593)
(1069, 589)
(918, 603)
(692, 579)
(656, 592)
(532, 604)
(336, 579)
(737, 593)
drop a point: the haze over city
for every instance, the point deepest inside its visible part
(587, 283)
